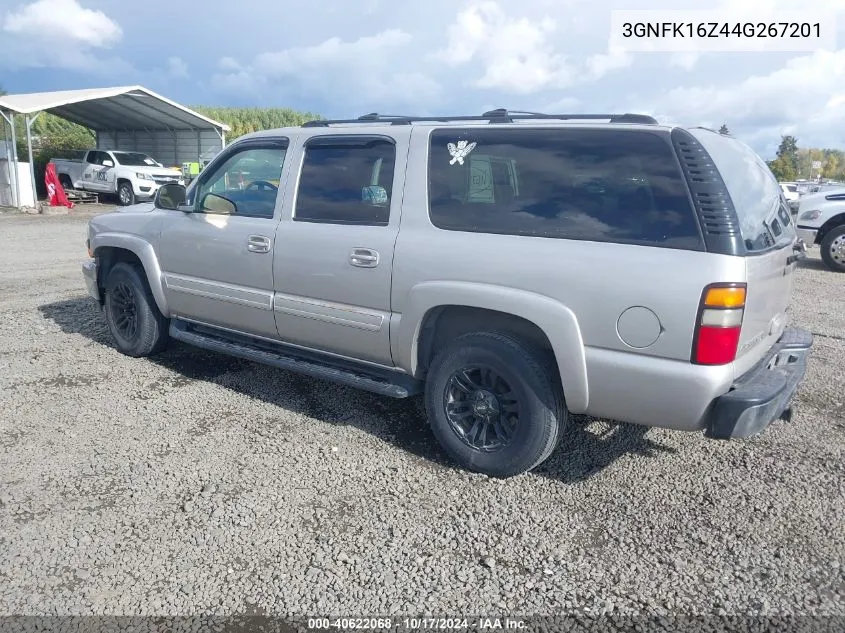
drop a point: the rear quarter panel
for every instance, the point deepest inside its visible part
(591, 281)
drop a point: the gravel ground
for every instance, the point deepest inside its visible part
(199, 484)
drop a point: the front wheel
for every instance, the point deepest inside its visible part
(833, 249)
(494, 404)
(137, 326)
(126, 194)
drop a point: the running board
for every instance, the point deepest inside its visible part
(386, 383)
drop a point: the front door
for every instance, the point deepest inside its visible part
(334, 253)
(94, 173)
(218, 261)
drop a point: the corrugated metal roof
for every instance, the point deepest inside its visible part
(124, 108)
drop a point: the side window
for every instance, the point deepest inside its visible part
(93, 158)
(586, 184)
(754, 190)
(245, 183)
(346, 180)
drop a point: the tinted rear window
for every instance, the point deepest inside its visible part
(754, 190)
(586, 184)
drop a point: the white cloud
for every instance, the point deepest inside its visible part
(229, 63)
(565, 105)
(805, 97)
(177, 68)
(597, 66)
(63, 20)
(60, 34)
(521, 55)
(687, 61)
(363, 71)
(516, 53)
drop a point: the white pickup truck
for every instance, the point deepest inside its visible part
(129, 175)
(820, 222)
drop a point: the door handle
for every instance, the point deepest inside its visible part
(364, 257)
(258, 244)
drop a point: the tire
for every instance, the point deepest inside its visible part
(833, 249)
(127, 294)
(523, 373)
(65, 182)
(125, 194)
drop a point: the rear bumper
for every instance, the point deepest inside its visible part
(762, 395)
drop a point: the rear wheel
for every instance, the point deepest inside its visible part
(137, 326)
(494, 404)
(126, 194)
(64, 181)
(833, 249)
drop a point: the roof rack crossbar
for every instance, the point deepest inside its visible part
(493, 116)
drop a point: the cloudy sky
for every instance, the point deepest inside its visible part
(348, 57)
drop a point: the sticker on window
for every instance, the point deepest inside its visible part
(460, 151)
(374, 195)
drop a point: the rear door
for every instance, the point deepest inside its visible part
(334, 250)
(769, 235)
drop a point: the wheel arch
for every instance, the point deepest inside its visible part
(829, 225)
(111, 248)
(439, 311)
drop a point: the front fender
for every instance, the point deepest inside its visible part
(146, 253)
(555, 319)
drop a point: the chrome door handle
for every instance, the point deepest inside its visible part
(364, 257)
(258, 244)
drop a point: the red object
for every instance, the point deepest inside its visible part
(716, 345)
(55, 192)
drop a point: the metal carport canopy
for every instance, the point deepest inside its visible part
(129, 118)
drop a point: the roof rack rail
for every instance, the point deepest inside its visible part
(493, 116)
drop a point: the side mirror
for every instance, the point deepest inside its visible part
(212, 203)
(108, 163)
(170, 197)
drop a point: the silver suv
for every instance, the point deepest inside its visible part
(515, 268)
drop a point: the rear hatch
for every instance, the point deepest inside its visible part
(768, 231)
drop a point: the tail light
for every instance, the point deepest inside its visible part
(719, 324)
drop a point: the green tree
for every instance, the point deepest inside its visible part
(248, 120)
(832, 165)
(783, 168)
(724, 129)
(788, 150)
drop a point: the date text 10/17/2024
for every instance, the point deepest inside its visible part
(416, 624)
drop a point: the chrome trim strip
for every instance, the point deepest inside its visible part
(238, 294)
(336, 313)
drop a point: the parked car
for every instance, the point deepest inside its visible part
(130, 175)
(790, 191)
(821, 222)
(512, 273)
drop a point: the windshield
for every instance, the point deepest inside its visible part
(753, 188)
(135, 159)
